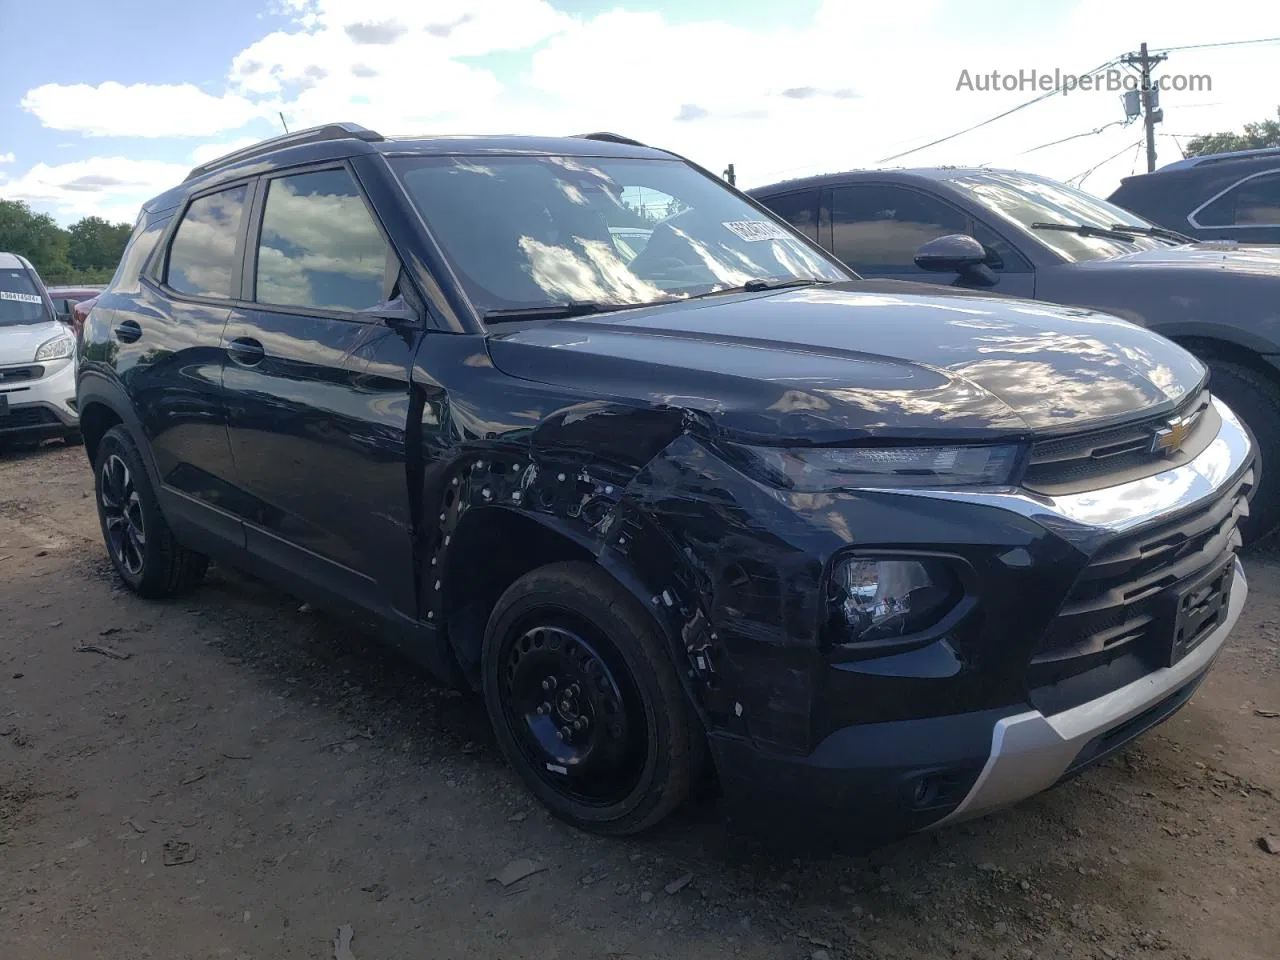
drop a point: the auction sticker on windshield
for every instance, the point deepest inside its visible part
(754, 230)
(20, 297)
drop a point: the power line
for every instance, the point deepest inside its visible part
(1212, 46)
(1077, 136)
(1082, 177)
(1000, 116)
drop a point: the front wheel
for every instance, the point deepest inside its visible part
(586, 702)
(1255, 399)
(142, 548)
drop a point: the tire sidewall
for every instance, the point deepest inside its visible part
(517, 605)
(1261, 418)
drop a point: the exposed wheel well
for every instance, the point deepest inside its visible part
(1208, 348)
(95, 420)
(492, 549)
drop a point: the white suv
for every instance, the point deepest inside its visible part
(37, 359)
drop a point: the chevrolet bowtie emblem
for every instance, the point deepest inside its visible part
(1170, 438)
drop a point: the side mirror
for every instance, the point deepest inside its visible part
(393, 313)
(957, 253)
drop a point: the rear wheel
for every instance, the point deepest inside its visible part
(586, 702)
(1255, 400)
(141, 546)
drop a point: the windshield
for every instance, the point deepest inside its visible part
(1024, 200)
(535, 231)
(20, 300)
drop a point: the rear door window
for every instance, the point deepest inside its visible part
(202, 257)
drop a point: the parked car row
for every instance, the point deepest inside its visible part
(673, 487)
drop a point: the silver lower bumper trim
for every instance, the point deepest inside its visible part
(1030, 752)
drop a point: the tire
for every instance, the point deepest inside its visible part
(1256, 400)
(139, 542)
(73, 438)
(641, 747)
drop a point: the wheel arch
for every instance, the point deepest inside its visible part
(102, 404)
(476, 563)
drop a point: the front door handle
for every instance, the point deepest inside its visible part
(128, 331)
(246, 351)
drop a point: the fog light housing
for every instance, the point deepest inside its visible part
(886, 599)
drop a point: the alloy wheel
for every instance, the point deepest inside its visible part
(122, 515)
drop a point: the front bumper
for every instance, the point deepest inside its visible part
(970, 730)
(41, 405)
(1031, 752)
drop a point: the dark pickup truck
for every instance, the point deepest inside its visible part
(595, 435)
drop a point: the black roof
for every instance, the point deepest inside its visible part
(335, 140)
(890, 175)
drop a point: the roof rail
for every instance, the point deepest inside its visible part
(609, 138)
(1208, 158)
(329, 131)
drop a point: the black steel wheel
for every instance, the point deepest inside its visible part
(139, 542)
(586, 702)
(579, 722)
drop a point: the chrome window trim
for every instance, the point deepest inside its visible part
(1191, 217)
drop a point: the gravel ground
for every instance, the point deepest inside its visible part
(231, 776)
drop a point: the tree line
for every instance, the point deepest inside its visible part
(1264, 133)
(85, 252)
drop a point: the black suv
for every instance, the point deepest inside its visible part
(593, 433)
(1222, 196)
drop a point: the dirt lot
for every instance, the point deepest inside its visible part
(305, 779)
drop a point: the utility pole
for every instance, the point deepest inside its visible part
(730, 176)
(1151, 112)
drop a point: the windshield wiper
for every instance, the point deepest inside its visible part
(557, 311)
(759, 284)
(1159, 233)
(1086, 230)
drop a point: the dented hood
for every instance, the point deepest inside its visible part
(862, 359)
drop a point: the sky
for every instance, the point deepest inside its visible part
(124, 97)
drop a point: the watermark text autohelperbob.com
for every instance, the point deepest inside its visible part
(1107, 81)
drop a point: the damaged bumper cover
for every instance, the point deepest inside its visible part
(993, 708)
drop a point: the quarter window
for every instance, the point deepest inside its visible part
(878, 229)
(1253, 203)
(203, 253)
(319, 246)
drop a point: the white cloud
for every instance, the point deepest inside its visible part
(7, 157)
(138, 110)
(844, 90)
(110, 187)
(212, 151)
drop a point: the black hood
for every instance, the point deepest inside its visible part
(863, 359)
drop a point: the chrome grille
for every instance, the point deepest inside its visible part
(1101, 458)
(1121, 602)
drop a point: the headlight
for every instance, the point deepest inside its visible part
(886, 599)
(827, 468)
(57, 348)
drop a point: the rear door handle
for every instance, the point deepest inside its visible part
(128, 331)
(246, 351)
